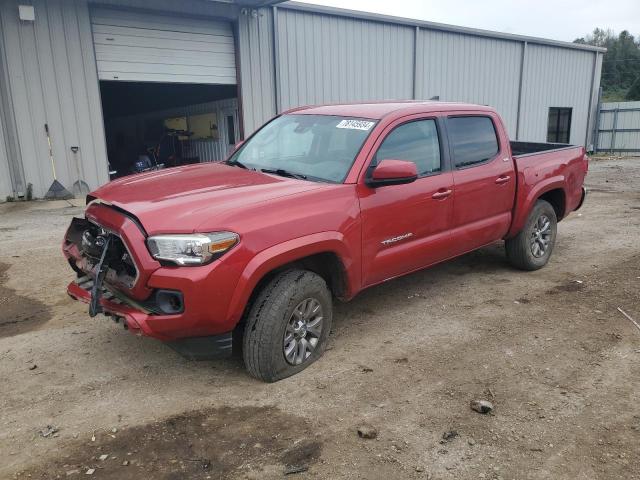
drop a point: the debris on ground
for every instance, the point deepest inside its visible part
(91, 471)
(33, 367)
(629, 317)
(481, 406)
(367, 369)
(367, 431)
(103, 457)
(125, 463)
(291, 469)
(448, 436)
(204, 462)
(48, 431)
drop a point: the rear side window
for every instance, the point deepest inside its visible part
(416, 142)
(473, 139)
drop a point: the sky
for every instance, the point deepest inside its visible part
(555, 19)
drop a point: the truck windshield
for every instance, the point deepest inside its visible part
(313, 147)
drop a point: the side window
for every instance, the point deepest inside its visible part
(416, 142)
(473, 139)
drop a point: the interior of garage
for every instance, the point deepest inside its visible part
(157, 124)
(168, 88)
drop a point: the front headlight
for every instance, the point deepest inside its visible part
(192, 249)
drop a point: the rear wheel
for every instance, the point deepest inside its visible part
(532, 247)
(287, 326)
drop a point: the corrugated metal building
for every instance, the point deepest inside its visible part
(80, 65)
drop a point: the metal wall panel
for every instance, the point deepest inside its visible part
(255, 46)
(325, 59)
(144, 46)
(10, 183)
(625, 122)
(219, 9)
(595, 98)
(6, 189)
(555, 77)
(51, 78)
(463, 68)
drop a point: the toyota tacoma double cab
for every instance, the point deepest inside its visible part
(320, 203)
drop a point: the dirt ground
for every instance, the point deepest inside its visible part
(549, 348)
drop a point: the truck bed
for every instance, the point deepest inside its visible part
(530, 148)
(547, 167)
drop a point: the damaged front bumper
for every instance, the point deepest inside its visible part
(138, 320)
(117, 276)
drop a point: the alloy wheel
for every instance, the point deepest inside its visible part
(541, 236)
(302, 335)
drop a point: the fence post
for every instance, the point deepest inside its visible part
(613, 133)
(596, 127)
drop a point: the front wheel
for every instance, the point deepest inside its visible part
(287, 326)
(532, 247)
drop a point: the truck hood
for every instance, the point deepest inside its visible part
(188, 198)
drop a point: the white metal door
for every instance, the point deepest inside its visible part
(149, 47)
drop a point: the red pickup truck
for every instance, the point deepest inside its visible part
(321, 202)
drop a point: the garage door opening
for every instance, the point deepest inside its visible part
(153, 124)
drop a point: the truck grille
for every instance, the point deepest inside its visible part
(89, 239)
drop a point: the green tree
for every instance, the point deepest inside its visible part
(620, 64)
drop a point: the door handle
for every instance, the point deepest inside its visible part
(441, 194)
(503, 179)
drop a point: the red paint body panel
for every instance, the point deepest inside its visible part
(483, 198)
(377, 233)
(538, 174)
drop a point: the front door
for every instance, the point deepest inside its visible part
(484, 181)
(406, 227)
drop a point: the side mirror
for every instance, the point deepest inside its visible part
(393, 172)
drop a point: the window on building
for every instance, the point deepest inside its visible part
(416, 142)
(473, 138)
(559, 126)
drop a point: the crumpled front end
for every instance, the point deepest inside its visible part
(110, 280)
(117, 276)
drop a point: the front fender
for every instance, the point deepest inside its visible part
(290, 251)
(527, 197)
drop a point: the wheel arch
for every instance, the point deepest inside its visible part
(325, 254)
(558, 200)
(552, 191)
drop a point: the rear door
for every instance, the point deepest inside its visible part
(484, 179)
(406, 227)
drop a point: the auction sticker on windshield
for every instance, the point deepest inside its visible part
(356, 124)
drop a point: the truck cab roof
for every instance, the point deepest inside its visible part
(379, 110)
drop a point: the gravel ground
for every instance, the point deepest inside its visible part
(549, 349)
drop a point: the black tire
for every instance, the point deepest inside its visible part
(264, 346)
(521, 249)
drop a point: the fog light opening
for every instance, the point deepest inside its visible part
(169, 302)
